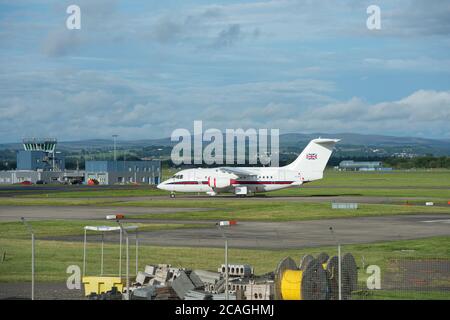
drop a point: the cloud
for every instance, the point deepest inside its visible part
(419, 18)
(424, 111)
(87, 104)
(167, 30)
(228, 36)
(421, 64)
(148, 68)
(61, 43)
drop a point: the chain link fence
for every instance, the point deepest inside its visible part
(405, 269)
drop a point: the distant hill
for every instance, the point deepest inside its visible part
(389, 144)
(351, 142)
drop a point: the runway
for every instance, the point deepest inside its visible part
(257, 235)
(296, 234)
(13, 213)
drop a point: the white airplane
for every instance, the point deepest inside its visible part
(309, 166)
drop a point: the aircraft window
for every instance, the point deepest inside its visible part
(178, 176)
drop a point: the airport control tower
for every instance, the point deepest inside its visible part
(33, 144)
(39, 154)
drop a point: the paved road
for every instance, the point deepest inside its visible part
(43, 291)
(13, 213)
(296, 234)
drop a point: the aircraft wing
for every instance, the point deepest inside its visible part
(238, 171)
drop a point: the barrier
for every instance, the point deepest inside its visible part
(351, 206)
(100, 285)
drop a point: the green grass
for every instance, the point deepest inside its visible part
(396, 178)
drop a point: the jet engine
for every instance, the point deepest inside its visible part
(218, 182)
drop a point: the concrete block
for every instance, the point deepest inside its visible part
(237, 270)
(162, 275)
(198, 283)
(197, 295)
(207, 276)
(150, 269)
(182, 284)
(144, 293)
(143, 278)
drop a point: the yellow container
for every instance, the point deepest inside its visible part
(101, 284)
(291, 285)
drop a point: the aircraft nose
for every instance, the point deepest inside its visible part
(163, 186)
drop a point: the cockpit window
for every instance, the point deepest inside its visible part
(178, 176)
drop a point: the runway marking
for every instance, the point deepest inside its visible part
(437, 221)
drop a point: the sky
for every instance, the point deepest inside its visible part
(141, 69)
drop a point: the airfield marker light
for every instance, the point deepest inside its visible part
(115, 217)
(30, 229)
(227, 223)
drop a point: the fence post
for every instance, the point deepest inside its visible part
(340, 272)
(32, 254)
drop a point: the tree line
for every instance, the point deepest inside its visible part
(418, 162)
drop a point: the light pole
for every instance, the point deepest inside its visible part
(127, 259)
(226, 259)
(339, 263)
(114, 137)
(30, 229)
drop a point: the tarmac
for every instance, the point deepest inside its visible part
(262, 235)
(297, 234)
(14, 213)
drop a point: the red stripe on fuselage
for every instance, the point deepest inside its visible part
(259, 182)
(233, 182)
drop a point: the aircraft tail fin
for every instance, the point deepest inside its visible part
(312, 161)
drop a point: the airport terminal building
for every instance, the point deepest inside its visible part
(123, 172)
(350, 165)
(38, 162)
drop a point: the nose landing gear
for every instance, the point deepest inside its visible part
(172, 194)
